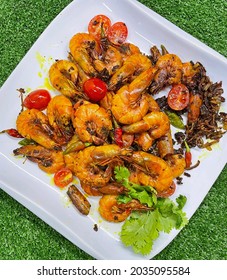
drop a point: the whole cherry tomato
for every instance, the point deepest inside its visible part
(95, 89)
(118, 33)
(37, 99)
(178, 97)
(99, 26)
(63, 177)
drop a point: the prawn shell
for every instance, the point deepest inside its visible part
(108, 209)
(165, 145)
(63, 75)
(156, 122)
(90, 190)
(59, 113)
(195, 103)
(33, 124)
(134, 64)
(177, 164)
(86, 171)
(157, 173)
(92, 123)
(50, 161)
(144, 140)
(84, 49)
(130, 104)
(173, 65)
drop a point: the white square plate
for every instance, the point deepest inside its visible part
(33, 188)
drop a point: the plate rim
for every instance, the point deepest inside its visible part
(150, 12)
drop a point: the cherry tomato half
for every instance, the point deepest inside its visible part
(178, 97)
(118, 33)
(37, 99)
(95, 89)
(99, 26)
(63, 177)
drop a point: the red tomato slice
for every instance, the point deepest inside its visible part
(99, 26)
(118, 33)
(95, 89)
(63, 177)
(178, 97)
(37, 99)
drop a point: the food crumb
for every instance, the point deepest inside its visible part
(187, 174)
(179, 180)
(95, 227)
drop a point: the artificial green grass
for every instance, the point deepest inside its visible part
(22, 234)
(204, 19)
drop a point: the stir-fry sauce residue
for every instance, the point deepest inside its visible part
(105, 125)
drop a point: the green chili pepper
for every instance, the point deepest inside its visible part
(87, 144)
(26, 142)
(75, 144)
(175, 120)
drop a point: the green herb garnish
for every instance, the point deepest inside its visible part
(145, 194)
(142, 228)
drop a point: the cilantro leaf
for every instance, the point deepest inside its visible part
(123, 198)
(172, 215)
(181, 200)
(121, 174)
(145, 194)
(141, 229)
